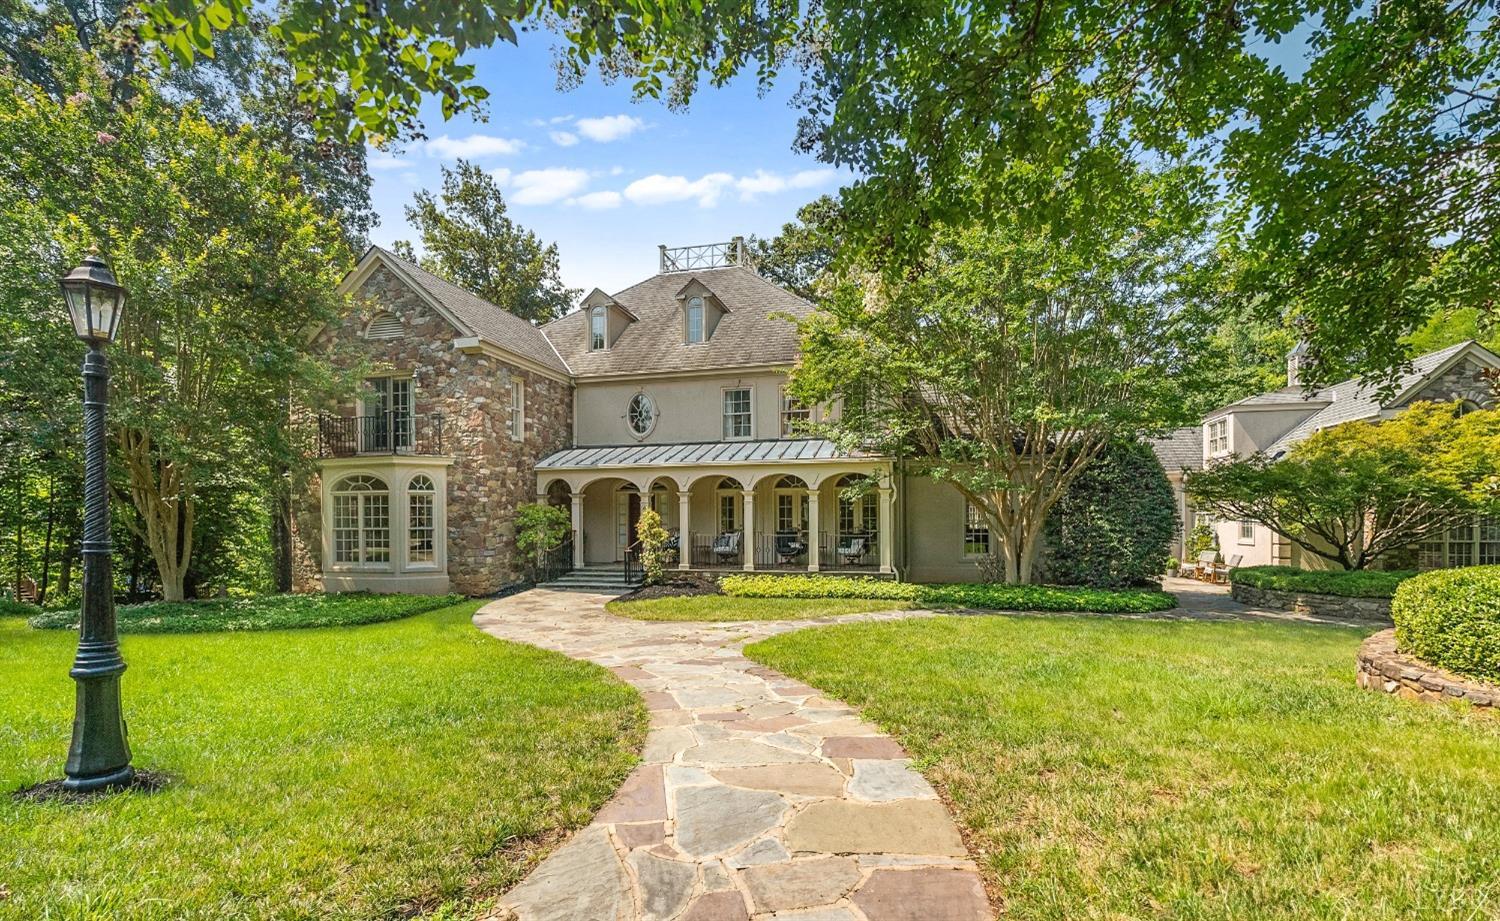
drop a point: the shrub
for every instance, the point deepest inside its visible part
(1363, 583)
(268, 612)
(653, 538)
(1201, 538)
(9, 607)
(1114, 525)
(541, 529)
(991, 596)
(1451, 618)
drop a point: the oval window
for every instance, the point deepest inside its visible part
(641, 414)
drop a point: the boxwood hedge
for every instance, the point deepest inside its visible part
(991, 596)
(1451, 618)
(266, 612)
(1352, 584)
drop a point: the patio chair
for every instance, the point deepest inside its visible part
(789, 546)
(1203, 569)
(851, 550)
(726, 547)
(1221, 570)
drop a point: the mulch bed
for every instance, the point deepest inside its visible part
(52, 791)
(676, 587)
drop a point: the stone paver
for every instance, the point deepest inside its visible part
(758, 797)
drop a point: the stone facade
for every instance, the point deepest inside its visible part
(1379, 666)
(1464, 381)
(1337, 606)
(491, 473)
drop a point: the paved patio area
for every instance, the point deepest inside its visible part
(757, 798)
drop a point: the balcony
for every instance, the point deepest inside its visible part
(390, 432)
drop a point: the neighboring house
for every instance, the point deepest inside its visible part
(669, 394)
(1272, 422)
(1180, 452)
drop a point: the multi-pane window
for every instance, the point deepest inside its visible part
(1476, 541)
(361, 521)
(1247, 532)
(729, 512)
(976, 531)
(387, 422)
(598, 329)
(517, 410)
(695, 319)
(846, 517)
(420, 524)
(640, 415)
(737, 413)
(1218, 437)
(794, 416)
(869, 515)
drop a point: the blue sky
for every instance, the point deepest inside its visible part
(605, 178)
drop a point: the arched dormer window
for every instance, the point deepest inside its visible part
(695, 319)
(384, 325)
(598, 329)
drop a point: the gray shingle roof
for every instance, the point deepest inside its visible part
(483, 319)
(703, 452)
(1181, 450)
(1291, 396)
(747, 335)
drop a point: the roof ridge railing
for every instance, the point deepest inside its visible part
(702, 256)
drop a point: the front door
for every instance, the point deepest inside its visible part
(627, 518)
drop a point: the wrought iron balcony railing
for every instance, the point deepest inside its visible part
(390, 432)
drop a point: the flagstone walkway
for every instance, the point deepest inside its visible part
(756, 797)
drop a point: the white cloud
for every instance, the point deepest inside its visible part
(544, 186)
(597, 201)
(383, 161)
(563, 138)
(501, 174)
(658, 189)
(764, 183)
(608, 127)
(475, 145)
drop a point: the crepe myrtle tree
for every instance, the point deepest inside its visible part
(1019, 354)
(1352, 493)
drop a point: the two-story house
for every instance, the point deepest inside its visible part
(668, 395)
(1272, 422)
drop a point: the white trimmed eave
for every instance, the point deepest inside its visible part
(475, 345)
(669, 374)
(1473, 350)
(386, 460)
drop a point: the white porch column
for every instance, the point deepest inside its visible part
(577, 510)
(886, 538)
(684, 534)
(814, 528)
(748, 546)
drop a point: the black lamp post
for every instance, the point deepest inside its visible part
(99, 757)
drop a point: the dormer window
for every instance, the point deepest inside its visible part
(694, 319)
(1218, 437)
(598, 329)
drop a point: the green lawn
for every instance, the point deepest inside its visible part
(725, 608)
(1112, 769)
(363, 772)
(265, 612)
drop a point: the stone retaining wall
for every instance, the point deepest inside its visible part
(1312, 603)
(1379, 667)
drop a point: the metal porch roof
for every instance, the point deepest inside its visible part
(695, 453)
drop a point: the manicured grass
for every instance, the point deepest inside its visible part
(986, 595)
(1109, 768)
(365, 772)
(265, 612)
(1360, 584)
(725, 608)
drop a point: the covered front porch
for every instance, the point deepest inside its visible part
(789, 506)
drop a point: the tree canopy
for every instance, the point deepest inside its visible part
(469, 238)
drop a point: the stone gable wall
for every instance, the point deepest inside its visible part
(1463, 381)
(491, 474)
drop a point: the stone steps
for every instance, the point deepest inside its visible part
(593, 578)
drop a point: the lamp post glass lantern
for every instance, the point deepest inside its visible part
(99, 757)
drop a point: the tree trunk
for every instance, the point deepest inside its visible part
(162, 495)
(281, 534)
(41, 592)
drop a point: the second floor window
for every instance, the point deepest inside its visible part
(695, 319)
(387, 421)
(598, 329)
(517, 410)
(1218, 437)
(794, 416)
(737, 413)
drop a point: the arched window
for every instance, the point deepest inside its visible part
(640, 415)
(361, 521)
(384, 325)
(598, 329)
(695, 319)
(421, 531)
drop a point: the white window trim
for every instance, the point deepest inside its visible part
(724, 414)
(517, 410)
(655, 415)
(392, 518)
(739, 509)
(434, 564)
(964, 535)
(1223, 449)
(687, 325)
(781, 416)
(588, 328)
(1240, 533)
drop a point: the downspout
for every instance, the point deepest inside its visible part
(898, 475)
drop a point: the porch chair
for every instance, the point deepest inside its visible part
(727, 546)
(1203, 569)
(851, 550)
(1221, 570)
(789, 546)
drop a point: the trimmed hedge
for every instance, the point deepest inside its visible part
(1349, 584)
(266, 612)
(1451, 618)
(968, 595)
(9, 607)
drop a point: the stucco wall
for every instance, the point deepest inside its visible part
(491, 473)
(688, 408)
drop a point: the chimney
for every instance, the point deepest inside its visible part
(1295, 359)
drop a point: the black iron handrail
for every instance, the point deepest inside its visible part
(389, 432)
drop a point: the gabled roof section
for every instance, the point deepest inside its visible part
(1352, 400)
(696, 287)
(749, 334)
(1294, 396)
(597, 298)
(1180, 450)
(467, 312)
